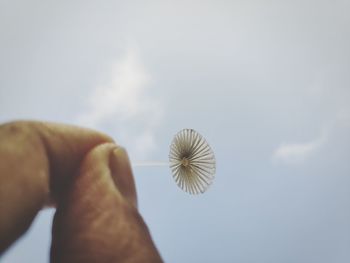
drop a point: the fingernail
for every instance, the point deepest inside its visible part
(122, 174)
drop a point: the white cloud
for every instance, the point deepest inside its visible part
(123, 105)
(292, 153)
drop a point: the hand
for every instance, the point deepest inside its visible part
(89, 180)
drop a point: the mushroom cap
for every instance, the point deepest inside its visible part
(192, 161)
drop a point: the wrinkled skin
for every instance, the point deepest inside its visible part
(87, 177)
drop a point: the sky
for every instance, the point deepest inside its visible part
(266, 83)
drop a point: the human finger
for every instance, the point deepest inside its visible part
(37, 162)
(97, 220)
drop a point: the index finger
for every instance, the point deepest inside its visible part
(37, 160)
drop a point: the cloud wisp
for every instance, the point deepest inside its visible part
(294, 153)
(123, 105)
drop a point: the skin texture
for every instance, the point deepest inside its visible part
(87, 177)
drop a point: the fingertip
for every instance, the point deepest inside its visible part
(98, 208)
(122, 174)
(66, 147)
(82, 209)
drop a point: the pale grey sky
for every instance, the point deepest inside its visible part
(267, 83)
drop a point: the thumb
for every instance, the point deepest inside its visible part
(97, 220)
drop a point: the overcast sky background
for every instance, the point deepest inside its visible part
(267, 83)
